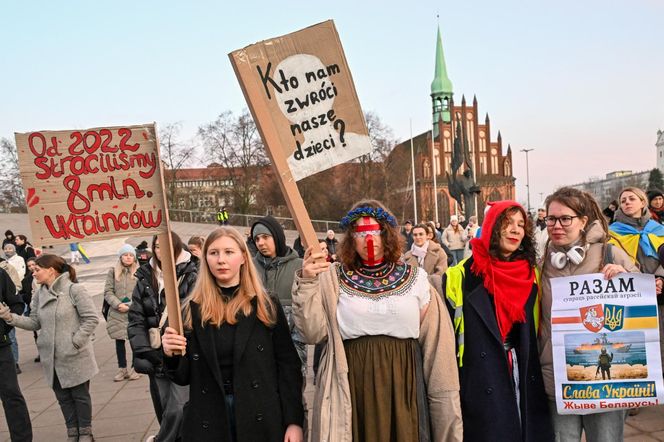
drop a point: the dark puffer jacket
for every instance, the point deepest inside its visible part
(146, 310)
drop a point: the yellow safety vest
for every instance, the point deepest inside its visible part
(454, 294)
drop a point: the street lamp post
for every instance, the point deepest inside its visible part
(527, 176)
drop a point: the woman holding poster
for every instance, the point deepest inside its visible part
(240, 364)
(493, 298)
(389, 366)
(578, 235)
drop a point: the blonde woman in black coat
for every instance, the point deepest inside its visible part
(240, 363)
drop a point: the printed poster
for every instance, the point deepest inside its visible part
(605, 339)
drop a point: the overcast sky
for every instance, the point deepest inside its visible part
(581, 82)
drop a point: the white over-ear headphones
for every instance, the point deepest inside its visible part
(575, 255)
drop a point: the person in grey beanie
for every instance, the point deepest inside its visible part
(120, 283)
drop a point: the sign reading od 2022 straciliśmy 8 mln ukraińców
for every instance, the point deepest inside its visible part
(95, 183)
(605, 338)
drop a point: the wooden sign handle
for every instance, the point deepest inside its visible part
(168, 261)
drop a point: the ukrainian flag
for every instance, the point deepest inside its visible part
(630, 239)
(641, 316)
(84, 254)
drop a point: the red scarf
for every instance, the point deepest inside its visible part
(509, 282)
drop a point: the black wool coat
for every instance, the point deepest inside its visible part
(267, 381)
(488, 402)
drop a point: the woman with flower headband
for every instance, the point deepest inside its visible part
(388, 371)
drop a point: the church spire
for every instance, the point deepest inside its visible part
(441, 88)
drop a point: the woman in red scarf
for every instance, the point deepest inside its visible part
(493, 299)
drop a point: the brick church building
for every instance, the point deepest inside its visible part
(462, 148)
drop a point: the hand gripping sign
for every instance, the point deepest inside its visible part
(301, 94)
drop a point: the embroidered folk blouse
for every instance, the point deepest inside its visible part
(382, 300)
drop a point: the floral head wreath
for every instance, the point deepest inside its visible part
(379, 213)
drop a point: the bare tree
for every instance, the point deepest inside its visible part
(12, 196)
(175, 154)
(373, 171)
(234, 143)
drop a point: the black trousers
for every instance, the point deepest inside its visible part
(16, 412)
(75, 403)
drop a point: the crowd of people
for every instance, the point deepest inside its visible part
(421, 331)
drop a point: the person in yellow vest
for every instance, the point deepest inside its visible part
(493, 300)
(578, 235)
(222, 217)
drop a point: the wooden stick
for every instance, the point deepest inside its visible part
(167, 259)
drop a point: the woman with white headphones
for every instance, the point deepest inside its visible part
(578, 235)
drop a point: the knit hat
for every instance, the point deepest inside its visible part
(127, 248)
(653, 193)
(454, 218)
(260, 229)
(268, 225)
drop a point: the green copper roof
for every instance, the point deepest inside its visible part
(441, 82)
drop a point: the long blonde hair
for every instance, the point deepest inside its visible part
(213, 308)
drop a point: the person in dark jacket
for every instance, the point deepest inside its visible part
(240, 362)
(495, 293)
(9, 239)
(297, 246)
(143, 253)
(23, 248)
(332, 245)
(407, 233)
(16, 411)
(276, 264)
(656, 205)
(147, 308)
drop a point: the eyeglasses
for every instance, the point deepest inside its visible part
(565, 220)
(366, 233)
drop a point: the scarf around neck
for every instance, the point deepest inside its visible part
(509, 282)
(420, 252)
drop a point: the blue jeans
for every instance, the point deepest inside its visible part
(458, 255)
(298, 340)
(12, 338)
(599, 427)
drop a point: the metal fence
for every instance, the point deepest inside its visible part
(236, 219)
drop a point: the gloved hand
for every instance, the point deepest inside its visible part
(5, 313)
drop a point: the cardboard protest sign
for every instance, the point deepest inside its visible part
(303, 81)
(605, 339)
(98, 184)
(301, 94)
(94, 183)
